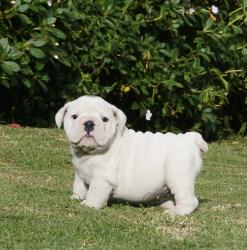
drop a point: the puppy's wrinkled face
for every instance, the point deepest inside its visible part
(90, 123)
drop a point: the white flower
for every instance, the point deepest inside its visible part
(148, 115)
(192, 11)
(13, 2)
(215, 9)
(57, 44)
(49, 3)
(56, 57)
(226, 93)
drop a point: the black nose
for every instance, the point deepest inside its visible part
(88, 126)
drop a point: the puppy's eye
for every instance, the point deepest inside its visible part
(105, 119)
(74, 116)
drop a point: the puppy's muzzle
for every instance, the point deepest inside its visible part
(88, 126)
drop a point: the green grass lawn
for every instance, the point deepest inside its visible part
(36, 212)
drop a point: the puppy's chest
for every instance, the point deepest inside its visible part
(85, 174)
(85, 170)
(88, 170)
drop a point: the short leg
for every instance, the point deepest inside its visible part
(98, 194)
(182, 187)
(79, 188)
(184, 204)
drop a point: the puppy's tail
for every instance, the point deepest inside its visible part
(198, 140)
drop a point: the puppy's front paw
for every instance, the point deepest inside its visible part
(76, 197)
(91, 204)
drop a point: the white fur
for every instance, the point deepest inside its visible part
(133, 166)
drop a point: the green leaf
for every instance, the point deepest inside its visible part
(39, 66)
(165, 52)
(39, 43)
(131, 58)
(44, 78)
(26, 82)
(37, 53)
(226, 83)
(4, 43)
(26, 70)
(243, 129)
(25, 19)
(245, 7)
(144, 90)
(208, 25)
(175, 2)
(127, 3)
(4, 49)
(137, 91)
(135, 106)
(10, 67)
(65, 61)
(23, 7)
(173, 83)
(5, 83)
(42, 85)
(14, 54)
(57, 32)
(49, 20)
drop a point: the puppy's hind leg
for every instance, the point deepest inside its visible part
(79, 188)
(181, 182)
(185, 202)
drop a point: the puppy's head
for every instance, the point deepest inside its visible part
(91, 123)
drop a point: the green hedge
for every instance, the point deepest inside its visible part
(176, 58)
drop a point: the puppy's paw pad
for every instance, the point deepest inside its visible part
(168, 205)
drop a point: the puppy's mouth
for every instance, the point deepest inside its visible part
(87, 137)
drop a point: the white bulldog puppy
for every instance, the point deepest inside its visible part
(112, 161)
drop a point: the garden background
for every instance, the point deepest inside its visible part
(185, 61)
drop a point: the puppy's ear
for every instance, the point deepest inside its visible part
(121, 119)
(60, 115)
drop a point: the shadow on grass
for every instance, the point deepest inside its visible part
(154, 203)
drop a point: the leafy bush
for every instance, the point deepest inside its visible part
(183, 61)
